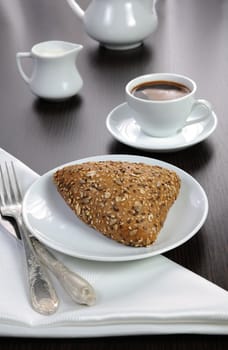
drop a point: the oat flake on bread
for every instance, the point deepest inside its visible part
(125, 201)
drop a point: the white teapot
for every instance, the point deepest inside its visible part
(118, 24)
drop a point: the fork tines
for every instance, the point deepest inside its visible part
(10, 189)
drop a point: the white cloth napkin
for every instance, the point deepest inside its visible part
(151, 296)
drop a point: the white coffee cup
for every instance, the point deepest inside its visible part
(163, 118)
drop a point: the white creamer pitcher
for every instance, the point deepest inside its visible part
(54, 75)
(118, 24)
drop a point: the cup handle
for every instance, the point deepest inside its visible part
(206, 108)
(20, 55)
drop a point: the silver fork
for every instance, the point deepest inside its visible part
(42, 294)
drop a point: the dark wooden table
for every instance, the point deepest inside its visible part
(191, 39)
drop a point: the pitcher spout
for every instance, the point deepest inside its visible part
(76, 47)
(71, 48)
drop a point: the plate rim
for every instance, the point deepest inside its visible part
(158, 148)
(134, 257)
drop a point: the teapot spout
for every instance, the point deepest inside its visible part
(76, 8)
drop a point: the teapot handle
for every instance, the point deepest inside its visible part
(21, 71)
(76, 8)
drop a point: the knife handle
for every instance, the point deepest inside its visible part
(43, 296)
(77, 287)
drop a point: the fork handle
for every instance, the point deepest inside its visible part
(43, 296)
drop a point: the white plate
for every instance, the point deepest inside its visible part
(124, 128)
(55, 224)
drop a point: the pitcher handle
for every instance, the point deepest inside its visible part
(76, 8)
(20, 55)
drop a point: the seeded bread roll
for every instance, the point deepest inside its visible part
(127, 202)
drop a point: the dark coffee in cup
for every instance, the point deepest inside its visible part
(160, 90)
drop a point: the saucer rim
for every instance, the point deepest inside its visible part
(161, 148)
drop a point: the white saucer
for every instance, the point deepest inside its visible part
(124, 128)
